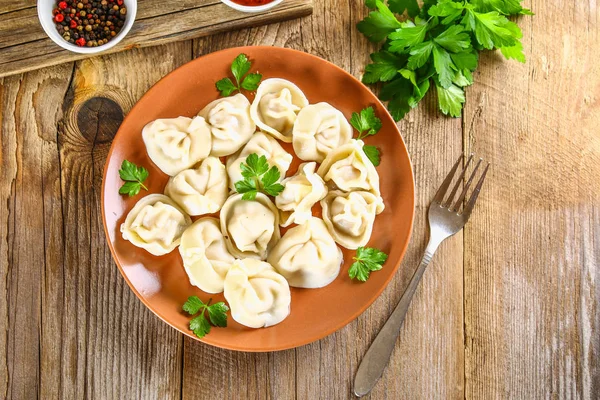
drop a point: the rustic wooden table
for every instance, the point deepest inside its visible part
(510, 307)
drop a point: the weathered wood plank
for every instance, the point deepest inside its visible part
(532, 251)
(30, 111)
(24, 45)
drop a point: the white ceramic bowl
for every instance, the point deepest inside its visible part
(264, 7)
(44, 9)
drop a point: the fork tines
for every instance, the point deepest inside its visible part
(441, 193)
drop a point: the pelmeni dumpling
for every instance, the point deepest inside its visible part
(350, 217)
(262, 145)
(307, 255)
(205, 256)
(318, 130)
(301, 191)
(250, 227)
(257, 295)
(275, 107)
(230, 124)
(202, 190)
(175, 144)
(349, 169)
(155, 224)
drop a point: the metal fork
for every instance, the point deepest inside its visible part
(445, 219)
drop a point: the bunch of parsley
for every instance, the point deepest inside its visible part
(438, 45)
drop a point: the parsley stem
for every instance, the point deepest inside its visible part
(143, 186)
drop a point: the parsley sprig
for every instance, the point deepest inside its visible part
(240, 67)
(367, 260)
(437, 46)
(367, 124)
(134, 177)
(258, 177)
(217, 314)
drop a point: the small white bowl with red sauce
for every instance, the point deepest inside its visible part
(251, 5)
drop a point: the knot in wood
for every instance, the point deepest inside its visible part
(98, 119)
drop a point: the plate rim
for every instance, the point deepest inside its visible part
(308, 340)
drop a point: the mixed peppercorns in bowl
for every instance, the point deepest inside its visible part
(86, 26)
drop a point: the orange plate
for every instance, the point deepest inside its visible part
(161, 282)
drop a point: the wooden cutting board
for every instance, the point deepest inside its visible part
(24, 46)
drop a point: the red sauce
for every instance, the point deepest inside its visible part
(252, 2)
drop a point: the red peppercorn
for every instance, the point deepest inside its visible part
(55, 11)
(62, 5)
(80, 42)
(90, 16)
(59, 18)
(120, 2)
(73, 24)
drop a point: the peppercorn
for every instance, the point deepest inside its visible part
(73, 23)
(59, 18)
(88, 28)
(80, 5)
(82, 13)
(123, 11)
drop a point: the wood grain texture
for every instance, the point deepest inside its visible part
(509, 309)
(532, 251)
(24, 45)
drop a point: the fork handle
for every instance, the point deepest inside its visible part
(378, 356)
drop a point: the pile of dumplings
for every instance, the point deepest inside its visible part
(242, 252)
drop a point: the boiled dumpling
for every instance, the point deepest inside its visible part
(230, 124)
(175, 144)
(250, 227)
(307, 255)
(349, 169)
(262, 145)
(275, 107)
(202, 190)
(205, 256)
(257, 295)
(155, 224)
(350, 217)
(318, 130)
(301, 191)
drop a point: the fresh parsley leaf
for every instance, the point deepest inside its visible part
(273, 189)
(406, 37)
(506, 7)
(217, 313)
(465, 60)
(378, 24)
(411, 7)
(367, 260)
(385, 66)
(454, 39)
(419, 93)
(463, 78)
(515, 52)
(397, 92)
(450, 11)
(372, 154)
(193, 305)
(492, 29)
(365, 121)
(239, 67)
(258, 177)
(419, 54)
(271, 176)
(443, 65)
(200, 326)
(251, 81)
(451, 99)
(226, 87)
(256, 165)
(134, 177)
